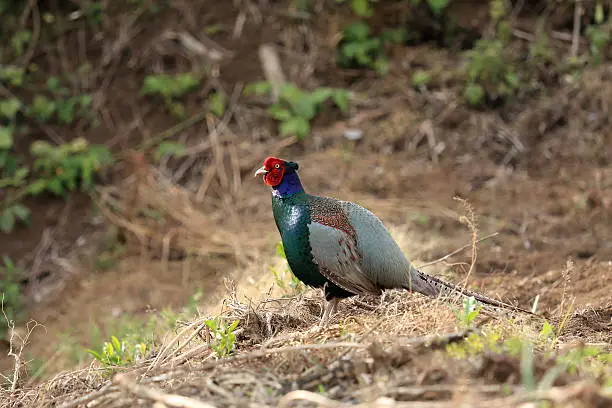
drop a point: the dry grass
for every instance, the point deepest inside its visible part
(391, 353)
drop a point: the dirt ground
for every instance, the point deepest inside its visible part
(538, 173)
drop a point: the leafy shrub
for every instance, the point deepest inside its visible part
(170, 88)
(360, 49)
(118, 353)
(296, 108)
(66, 168)
(223, 337)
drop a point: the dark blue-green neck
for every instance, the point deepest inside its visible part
(290, 185)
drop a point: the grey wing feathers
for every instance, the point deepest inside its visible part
(339, 259)
(383, 260)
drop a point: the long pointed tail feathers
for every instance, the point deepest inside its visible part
(433, 287)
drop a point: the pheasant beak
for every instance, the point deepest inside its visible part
(261, 170)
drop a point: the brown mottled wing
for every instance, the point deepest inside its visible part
(334, 248)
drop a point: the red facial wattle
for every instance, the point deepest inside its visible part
(274, 177)
(276, 171)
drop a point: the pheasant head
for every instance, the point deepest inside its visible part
(276, 171)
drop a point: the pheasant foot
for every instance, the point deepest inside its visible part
(330, 308)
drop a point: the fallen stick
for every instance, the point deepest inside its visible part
(173, 400)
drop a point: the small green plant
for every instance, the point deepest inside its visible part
(420, 79)
(10, 294)
(218, 103)
(475, 343)
(169, 149)
(8, 117)
(118, 353)
(588, 358)
(61, 107)
(170, 88)
(296, 108)
(469, 313)
(11, 75)
(284, 278)
(490, 73)
(66, 168)
(223, 338)
(547, 335)
(360, 49)
(11, 215)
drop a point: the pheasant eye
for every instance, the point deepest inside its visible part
(277, 166)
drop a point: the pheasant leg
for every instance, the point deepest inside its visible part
(330, 308)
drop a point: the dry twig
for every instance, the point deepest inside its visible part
(456, 251)
(173, 400)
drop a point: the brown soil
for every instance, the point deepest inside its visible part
(537, 172)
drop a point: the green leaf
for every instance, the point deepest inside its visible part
(257, 88)
(96, 355)
(280, 249)
(279, 113)
(56, 187)
(362, 8)
(42, 108)
(218, 103)
(320, 95)
(341, 99)
(211, 324)
(37, 187)
(437, 6)
(13, 75)
(547, 331)
(420, 78)
(85, 100)
(297, 126)
(9, 108)
(66, 111)
(21, 212)
(177, 109)
(513, 80)
(352, 49)
(394, 36)
(381, 66)
(305, 107)
(154, 84)
(474, 94)
(53, 83)
(186, 82)
(291, 94)
(78, 145)
(599, 13)
(87, 171)
(6, 137)
(357, 31)
(40, 148)
(116, 343)
(7, 221)
(21, 173)
(233, 326)
(169, 149)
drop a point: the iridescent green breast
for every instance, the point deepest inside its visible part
(292, 216)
